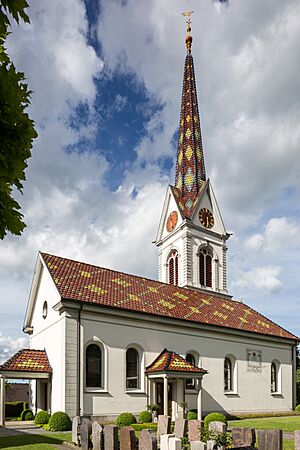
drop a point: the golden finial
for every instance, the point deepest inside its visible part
(188, 39)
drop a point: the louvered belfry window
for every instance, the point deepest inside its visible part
(132, 369)
(173, 268)
(205, 268)
(93, 366)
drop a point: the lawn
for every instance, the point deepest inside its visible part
(34, 441)
(291, 423)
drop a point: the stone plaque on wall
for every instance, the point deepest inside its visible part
(254, 360)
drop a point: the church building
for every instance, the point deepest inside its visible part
(104, 342)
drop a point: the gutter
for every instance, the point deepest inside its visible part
(79, 362)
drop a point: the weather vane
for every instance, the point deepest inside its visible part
(188, 39)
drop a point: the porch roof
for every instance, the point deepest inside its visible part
(170, 362)
(27, 363)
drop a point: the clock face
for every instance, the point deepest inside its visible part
(206, 218)
(172, 221)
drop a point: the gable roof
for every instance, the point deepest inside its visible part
(95, 285)
(168, 361)
(28, 360)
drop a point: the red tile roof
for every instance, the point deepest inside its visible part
(168, 361)
(27, 360)
(87, 283)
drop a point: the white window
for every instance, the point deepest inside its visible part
(94, 366)
(173, 268)
(275, 377)
(205, 267)
(132, 369)
(230, 375)
(190, 383)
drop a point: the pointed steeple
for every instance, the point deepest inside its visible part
(190, 168)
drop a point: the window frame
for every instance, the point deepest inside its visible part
(103, 388)
(232, 390)
(141, 377)
(196, 358)
(173, 257)
(204, 252)
(276, 364)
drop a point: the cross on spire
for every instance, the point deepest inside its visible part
(188, 39)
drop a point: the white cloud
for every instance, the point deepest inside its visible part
(9, 346)
(265, 278)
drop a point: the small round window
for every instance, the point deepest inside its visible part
(45, 310)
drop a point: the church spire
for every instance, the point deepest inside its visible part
(190, 168)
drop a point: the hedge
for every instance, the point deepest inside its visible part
(27, 414)
(144, 426)
(125, 419)
(213, 417)
(60, 421)
(145, 417)
(14, 409)
(42, 418)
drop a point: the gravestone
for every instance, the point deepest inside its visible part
(163, 425)
(244, 448)
(164, 441)
(198, 445)
(210, 444)
(269, 439)
(147, 440)
(75, 430)
(217, 427)
(85, 432)
(194, 430)
(297, 440)
(174, 443)
(180, 428)
(243, 437)
(97, 436)
(111, 437)
(127, 439)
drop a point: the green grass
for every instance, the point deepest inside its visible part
(34, 441)
(288, 445)
(284, 423)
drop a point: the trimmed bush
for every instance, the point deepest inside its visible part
(297, 408)
(60, 421)
(14, 409)
(144, 426)
(42, 418)
(145, 417)
(26, 414)
(125, 419)
(192, 415)
(214, 417)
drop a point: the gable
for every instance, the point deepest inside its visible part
(170, 206)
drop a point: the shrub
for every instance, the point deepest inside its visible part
(145, 417)
(297, 408)
(192, 415)
(14, 409)
(60, 421)
(212, 417)
(26, 414)
(144, 426)
(41, 418)
(125, 419)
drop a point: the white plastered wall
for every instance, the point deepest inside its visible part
(252, 388)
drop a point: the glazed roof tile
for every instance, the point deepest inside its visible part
(95, 285)
(27, 360)
(168, 361)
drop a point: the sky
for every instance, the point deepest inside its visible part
(106, 77)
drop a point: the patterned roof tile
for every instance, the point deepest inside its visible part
(28, 360)
(168, 361)
(133, 293)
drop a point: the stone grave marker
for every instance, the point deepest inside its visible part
(111, 437)
(297, 439)
(127, 439)
(194, 430)
(198, 445)
(85, 432)
(163, 425)
(174, 443)
(243, 437)
(164, 441)
(75, 429)
(97, 436)
(269, 439)
(180, 428)
(210, 445)
(147, 440)
(217, 427)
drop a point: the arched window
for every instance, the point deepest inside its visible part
(132, 369)
(173, 268)
(275, 381)
(228, 375)
(205, 267)
(94, 366)
(190, 382)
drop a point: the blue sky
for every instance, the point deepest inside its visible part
(106, 78)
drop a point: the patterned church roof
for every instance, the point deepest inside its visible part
(81, 282)
(27, 360)
(168, 361)
(190, 168)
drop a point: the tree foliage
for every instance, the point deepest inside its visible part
(16, 128)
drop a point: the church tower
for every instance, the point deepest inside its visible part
(191, 237)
